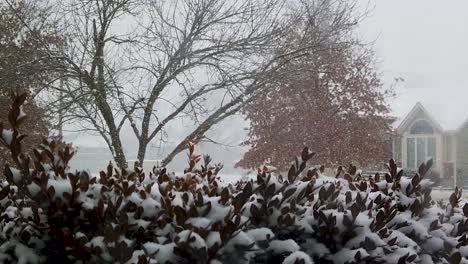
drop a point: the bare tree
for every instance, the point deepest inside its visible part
(147, 64)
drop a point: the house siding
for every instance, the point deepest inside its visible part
(462, 153)
(397, 151)
(446, 143)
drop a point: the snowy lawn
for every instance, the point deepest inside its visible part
(444, 194)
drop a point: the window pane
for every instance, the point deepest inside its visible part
(449, 148)
(422, 127)
(421, 151)
(431, 148)
(410, 152)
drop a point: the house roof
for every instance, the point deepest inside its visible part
(444, 116)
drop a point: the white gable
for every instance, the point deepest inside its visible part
(418, 112)
(444, 116)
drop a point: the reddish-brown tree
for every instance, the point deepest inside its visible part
(24, 66)
(334, 103)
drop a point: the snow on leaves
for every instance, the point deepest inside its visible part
(123, 216)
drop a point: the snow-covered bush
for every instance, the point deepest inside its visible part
(50, 214)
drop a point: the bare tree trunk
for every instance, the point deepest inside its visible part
(142, 151)
(101, 96)
(119, 155)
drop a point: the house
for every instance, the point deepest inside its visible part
(420, 136)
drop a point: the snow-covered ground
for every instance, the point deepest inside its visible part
(438, 194)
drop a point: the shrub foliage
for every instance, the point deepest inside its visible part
(51, 214)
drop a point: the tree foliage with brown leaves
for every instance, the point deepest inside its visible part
(36, 127)
(25, 36)
(335, 104)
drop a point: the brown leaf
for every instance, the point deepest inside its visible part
(191, 147)
(4, 192)
(380, 217)
(270, 191)
(377, 177)
(392, 241)
(338, 171)
(453, 199)
(357, 257)
(322, 169)
(51, 191)
(411, 258)
(352, 169)
(247, 190)
(349, 197)
(67, 196)
(348, 177)
(402, 259)
(305, 154)
(292, 174)
(465, 209)
(355, 210)
(224, 195)
(415, 181)
(434, 225)
(8, 174)
(323, 193)
(455, 258)
(199, 201)
(289, 192)
(392, 167)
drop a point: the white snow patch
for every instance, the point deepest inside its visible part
(297, 256)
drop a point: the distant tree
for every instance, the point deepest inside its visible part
(25, 36)
(334, 103)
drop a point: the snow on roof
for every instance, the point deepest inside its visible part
(449, 115)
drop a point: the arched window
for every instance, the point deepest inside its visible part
(420, 144)
(421, 127)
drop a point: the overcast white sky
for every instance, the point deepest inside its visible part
(426, 43)
(423, 41)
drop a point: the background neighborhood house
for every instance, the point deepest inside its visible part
(420, 136)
